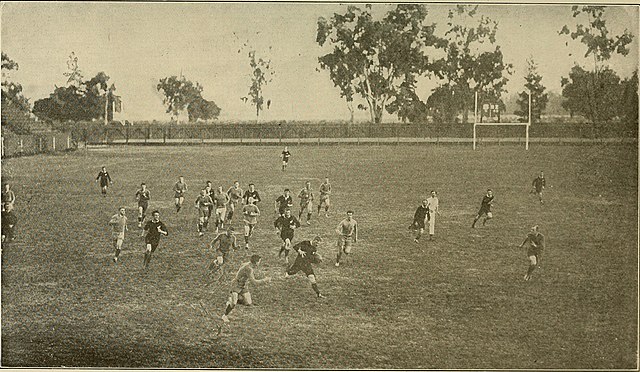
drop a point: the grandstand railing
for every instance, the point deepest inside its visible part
(91, 133)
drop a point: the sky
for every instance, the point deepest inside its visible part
(137, 44)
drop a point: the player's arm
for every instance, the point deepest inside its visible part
(296, 222)
(113, 221)
(276, 205)
(301, 252)
(257, 198)
(278, 223)
(253, 279)
(524, 242)
(162, 229)
(257, 212)
(416, 216)
(109, 178)
(338, 230)
(235, 242)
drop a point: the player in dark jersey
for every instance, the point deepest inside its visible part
(539, 183)
(226, 242)
(285, 225)
(153, 229)
(485, 209)
(240, 286)
(105, 179)
(211, 192)
(178, 192)
(534, 250)
(285, 158)
(203, 202)
(306, 202)
(8, 196)
(235, 197)
(284, 202)
(142, 196)
(8, 221)
(251, 193)
(325, 195)
(420, 219)
(307, 255)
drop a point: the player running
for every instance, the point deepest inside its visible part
(251, 193)
(118, 225)
(240, 287)
(325, 194)
(485, 209)
(534, 250)
(179, 189)
(142, 196)
(251, 213)
(307, 255)
(220, 201)
(210, 191)
(285, 225)
(347, 231)
(8, 196)
(285, 158)
(306, 202)
(105, 180)
(153, 229)
(225, 242)
(284, 202)
(539, 183)
(235, 198)
(203, 202)
(420, 219)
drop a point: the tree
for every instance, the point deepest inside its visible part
(534, 87)
(261, 75)
(600, 46)
(74, 75)
(178, 93)
(12, 91)
(443, 105)
(598, 103)
(407, 105)
(202, 109)
(629, 101)
(472, 63)
(373, 58)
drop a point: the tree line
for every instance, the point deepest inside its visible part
(376, 63)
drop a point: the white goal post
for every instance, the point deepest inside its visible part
(476, 123)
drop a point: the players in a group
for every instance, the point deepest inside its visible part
(226, 242)
(118, 223)
(220, 201)
(306, 202)
(8, 196)
(250, 212)
(285, 158)
(240, 287)
(325, 194)
(284, 202)
(153, 230)
(534, 250)
(142, 196)
(539, 183)
(307, 255)
(347, 231)
(105, 180)
(285, 225)
(179, 189)
(251, 193)
(203, 203)
(420, 218)
(485, 209)
(235, 198)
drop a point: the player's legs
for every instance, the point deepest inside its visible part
(432, 225)
(104, 190)
(419, 234)
(141, 210)
(245, 299)
(284, 165)
(147, 255)
(232, 301)
(248, 230)
(533, 262)
(487, 218)
(539, 192)
(309, 211)
(340, 245)
(314, 285)
(117, 244)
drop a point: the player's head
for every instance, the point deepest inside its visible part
(8, 206)
(219, 188)
(252, 186)
(250, 200)
(349, 214)
(425, 202)
(209, 184)
(143, 185)
(316, 240)
(104, 169)
(255, 259)
(286, 191)
(122, 211)
(181, 178)
(433, 193)
(286, 148)
(534, 228)
(489, 192)
(236, 184)
(287, 212)
(326, 180)
(6, 186)
(308, 184)
(155, 215)
(541, 174)
(203, 192)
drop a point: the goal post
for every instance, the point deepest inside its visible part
(476, 123)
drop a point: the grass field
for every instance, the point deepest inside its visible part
(457, 302)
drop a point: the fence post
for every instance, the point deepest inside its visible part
(53, 143)
(21, 146)
(68, 142)
(84, 136)
(164, 135)
(126, 134)
(2, 141)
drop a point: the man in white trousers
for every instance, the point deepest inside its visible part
(432, 204)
